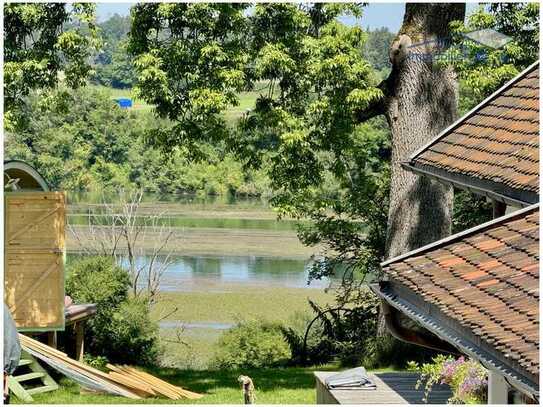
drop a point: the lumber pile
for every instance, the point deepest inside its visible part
(149, 384)
(121, 380)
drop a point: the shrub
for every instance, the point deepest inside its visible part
(134, 336)
(349, 334)
(318, 349)
(121, 330)
(97, 280)
(252, 344)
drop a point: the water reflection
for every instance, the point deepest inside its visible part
(247, 270)
(196, 273)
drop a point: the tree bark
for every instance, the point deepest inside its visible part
(420, 101)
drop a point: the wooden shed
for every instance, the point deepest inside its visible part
(34, 249)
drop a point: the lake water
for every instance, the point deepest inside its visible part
(209, 271)
(218, 274)
(188, 273)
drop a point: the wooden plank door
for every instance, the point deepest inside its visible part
(34, 247)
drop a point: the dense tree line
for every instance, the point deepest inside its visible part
(81, 140)
(112, 65)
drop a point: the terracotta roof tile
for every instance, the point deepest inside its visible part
(488, 281)
(495, 146)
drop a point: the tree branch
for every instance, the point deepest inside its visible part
(378, 106)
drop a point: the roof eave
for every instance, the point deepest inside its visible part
(431, 318)
(449, 239)
(492, 190)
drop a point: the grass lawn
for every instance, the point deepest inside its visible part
(273, 386)
(291, 385)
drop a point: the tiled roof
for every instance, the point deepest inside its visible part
(487, 281)
(494, 147)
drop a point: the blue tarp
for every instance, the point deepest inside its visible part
(124, 103)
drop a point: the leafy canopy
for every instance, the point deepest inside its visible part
(482, 69)
(322, 165)
(38, 48)
(190, 63)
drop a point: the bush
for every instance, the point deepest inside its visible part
(318, 350)
(252, 344)
(349, 335)
(135, 335)
(121, 330)
(97, 280)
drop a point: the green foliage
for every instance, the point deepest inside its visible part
(81, 140)
(77, 139)
(469, 211)
(97, 280)
(467, 378)
(38, 47)
(346, 332)
(121, 331)
(321, 164)
(190, 64)
(133, 337)
(482, 69)
(98, 362)
(376, 49)
(317, 349)
(112, 64)
(252, 344)
(119, 72)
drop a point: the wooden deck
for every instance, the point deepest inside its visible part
(392, 388)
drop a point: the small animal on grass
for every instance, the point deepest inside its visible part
(248, 389)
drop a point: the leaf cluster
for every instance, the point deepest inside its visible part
(39, 47)
(190, 61)
(482, 69)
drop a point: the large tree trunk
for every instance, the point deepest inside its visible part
(420, 101)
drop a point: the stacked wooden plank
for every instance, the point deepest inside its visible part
(150, 384)
(121, 380)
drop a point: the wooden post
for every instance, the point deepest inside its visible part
(497, 388)
(79, 329)
(498, 209)
(52, 339)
